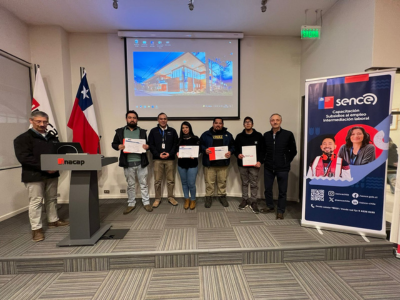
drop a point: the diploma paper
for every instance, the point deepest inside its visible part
(134, 145)
(250, 155)
(188, 151)
(218, 153)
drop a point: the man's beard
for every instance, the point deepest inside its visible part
(132, 125)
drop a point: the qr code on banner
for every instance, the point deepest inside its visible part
(317, 195)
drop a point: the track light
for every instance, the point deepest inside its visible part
(263, 6)
(191, 6)
(115, 4)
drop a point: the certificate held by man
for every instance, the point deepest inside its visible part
(218, 153)
(134, 145)
(188, 151)
(250, 156)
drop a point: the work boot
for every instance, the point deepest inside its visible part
(192, 204)
(58, 223)
(148, 208)
(243, 204)
(37, 235)
(187, 204)
(172, 201)
(223, 201)
(156, 203)
(267, 210)
(254, 207)
(208, 202)
(279, 216)
(129, 209)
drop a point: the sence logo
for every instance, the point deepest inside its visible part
(326, 102)
(62, 161)
(368, 99)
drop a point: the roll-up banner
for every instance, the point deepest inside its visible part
(347, 123)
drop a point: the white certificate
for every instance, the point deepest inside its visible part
(218, 153)
(250, 155)
(188, 151)
(134, 145)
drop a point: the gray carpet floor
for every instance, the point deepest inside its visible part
(355, 279)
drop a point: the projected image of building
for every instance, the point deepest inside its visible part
(220, 76)
(184, 74)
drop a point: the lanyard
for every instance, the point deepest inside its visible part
(162, 134)
(326, 169)
(353, 160)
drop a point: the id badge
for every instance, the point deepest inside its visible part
(163, 146)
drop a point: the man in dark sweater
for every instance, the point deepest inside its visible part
(162, 142)
(249, 174)
(280, 148)
(134, 164)
(216, 170)
(41, 185)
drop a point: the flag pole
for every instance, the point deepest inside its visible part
(36, 68)
(82, 71)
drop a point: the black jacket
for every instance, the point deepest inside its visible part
(123, 157)
(155, 142)
(206, 141)
(187, 163)
(253, 139)
(279, 152)
(28, 147)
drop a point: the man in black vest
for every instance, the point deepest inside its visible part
(280, 148)
(162, 142)
(134, 164)
(41, 185)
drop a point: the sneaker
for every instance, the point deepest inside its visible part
(243, 204)
(223, 201)
(156, 203)
(58, 223)
(279, 216)
(173, 201)
(267, 210)
(254, 208)
(208, 202)
(129, 209)
(37, 235)
(192, 204)
(187, 204)
(148, 208)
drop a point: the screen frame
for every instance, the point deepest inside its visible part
(179, 118)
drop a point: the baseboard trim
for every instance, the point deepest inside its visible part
(13, 213)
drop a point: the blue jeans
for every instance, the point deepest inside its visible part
(188, 178)
(391, 178)
(130, 175)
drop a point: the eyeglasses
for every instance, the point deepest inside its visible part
(41, 122)
(248, 122)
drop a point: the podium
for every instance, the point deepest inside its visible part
(84, 215)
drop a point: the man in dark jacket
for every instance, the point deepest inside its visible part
(41, 185)
(216, 170)
(249, 174)
(162, 142)
(134, 164)
(280, 147)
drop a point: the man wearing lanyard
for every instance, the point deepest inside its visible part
(280, 148)
(162, 142)
(328, 164)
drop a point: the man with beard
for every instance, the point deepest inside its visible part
(328, 164)
(216, 170)
(134, 164)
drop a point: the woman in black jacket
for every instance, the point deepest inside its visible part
(187, 167)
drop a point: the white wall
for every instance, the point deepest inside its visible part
(386, 34)
(268, 67)
(14, 40)
(346, 42)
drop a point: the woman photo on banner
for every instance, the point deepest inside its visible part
(358, 149)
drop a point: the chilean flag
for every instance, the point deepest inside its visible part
(83, 120)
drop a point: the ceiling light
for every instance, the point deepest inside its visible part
(191, 6)
(115, 4)
(263, 6)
